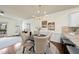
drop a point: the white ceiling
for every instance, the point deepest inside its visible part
(27, 11)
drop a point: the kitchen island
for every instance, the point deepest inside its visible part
(71, 42)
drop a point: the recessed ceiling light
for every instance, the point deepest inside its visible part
(1, 12)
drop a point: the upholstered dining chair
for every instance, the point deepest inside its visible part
(41, 44)
(26, 43)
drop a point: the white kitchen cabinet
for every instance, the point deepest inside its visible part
(74, 19)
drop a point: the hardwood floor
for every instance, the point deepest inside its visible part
(11, 50)
(14, 48)
(59, 46)
(8, 50)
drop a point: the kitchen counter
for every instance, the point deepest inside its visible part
(68, 42)
(73, 38)
(71, 42)
(73, 50)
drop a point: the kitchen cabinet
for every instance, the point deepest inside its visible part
(74, 19)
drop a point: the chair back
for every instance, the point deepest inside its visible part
(41, 44)
(24, 36)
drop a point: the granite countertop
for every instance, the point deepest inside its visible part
(72, 44)
(68, 42)
(73, 38)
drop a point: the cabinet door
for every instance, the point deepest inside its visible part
(74, 20)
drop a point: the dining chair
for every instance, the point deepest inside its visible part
(26, 43)
(41, 44)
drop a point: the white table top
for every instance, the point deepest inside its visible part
(56, 37)
(8, 41)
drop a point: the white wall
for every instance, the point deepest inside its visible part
(11, 26)
(35, 23)
(60, 18)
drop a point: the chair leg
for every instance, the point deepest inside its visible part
(33, 49)
(23, 50)
(49, 44)
(44, 52)
(30, 48)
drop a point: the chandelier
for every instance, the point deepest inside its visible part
(39, 12)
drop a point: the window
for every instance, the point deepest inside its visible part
(3, 28)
